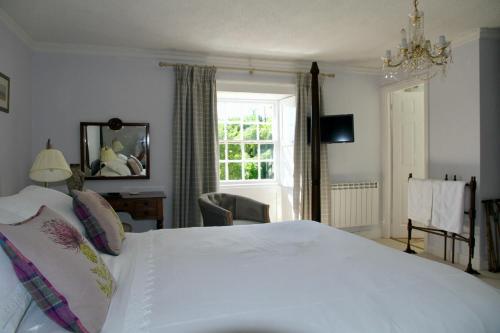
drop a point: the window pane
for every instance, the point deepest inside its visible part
(222, 152)
(234, 171)
(233, 111)
(266, 152)
(249, 132)
(266, 132)
(250, 151)
(221, 131)
(251, 171)
(250, 113)
(266, 113)
(234, 151)
(222, 171)
(233, 132)
(266, 170)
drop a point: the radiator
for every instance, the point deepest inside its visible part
(355, 204)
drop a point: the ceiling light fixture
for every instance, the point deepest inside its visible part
(416, 57)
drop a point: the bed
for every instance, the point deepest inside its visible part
(297, 276)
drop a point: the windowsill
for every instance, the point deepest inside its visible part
(248, 184)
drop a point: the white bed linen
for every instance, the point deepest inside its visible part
(285, 277)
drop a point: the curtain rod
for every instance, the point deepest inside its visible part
(250, 70)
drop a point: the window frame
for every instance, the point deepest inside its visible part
(276, 121)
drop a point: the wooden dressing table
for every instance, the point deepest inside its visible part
(140, 206)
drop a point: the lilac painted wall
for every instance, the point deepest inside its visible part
(69, 89)
(15, 127)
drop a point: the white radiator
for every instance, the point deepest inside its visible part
(355, 204)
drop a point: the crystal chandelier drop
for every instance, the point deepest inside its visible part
(416, 57)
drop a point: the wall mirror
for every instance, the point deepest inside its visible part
(115, 150)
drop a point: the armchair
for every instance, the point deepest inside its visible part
(221, 209)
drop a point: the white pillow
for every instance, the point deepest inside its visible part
(26, 203)
(119, 167)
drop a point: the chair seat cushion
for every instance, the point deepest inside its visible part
(244, 222)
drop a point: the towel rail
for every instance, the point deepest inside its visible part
(471, 213)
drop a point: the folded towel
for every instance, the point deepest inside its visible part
(420, 200)
(448, 205)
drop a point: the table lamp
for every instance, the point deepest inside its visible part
(107, 154)
(50, 166)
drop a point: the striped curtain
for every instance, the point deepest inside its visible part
(302, 156)
(195, 142)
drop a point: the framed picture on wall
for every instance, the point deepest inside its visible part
(4, 92)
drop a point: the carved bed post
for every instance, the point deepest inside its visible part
(315, 146)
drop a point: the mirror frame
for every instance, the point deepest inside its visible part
(114, 123)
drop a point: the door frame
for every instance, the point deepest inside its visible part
(386, 133)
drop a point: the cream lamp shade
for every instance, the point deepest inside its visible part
(117, 146)
(107, 154)
(50, 166)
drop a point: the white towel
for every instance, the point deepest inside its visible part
(420, 200)
(448, 205)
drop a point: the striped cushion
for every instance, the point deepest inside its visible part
(103, 226)
(60, 269)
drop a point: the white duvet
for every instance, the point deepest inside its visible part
(284, 277)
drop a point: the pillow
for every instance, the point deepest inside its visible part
(26, 203)
(60, 269)
(137, 161)
(118, 167)
(15, 299)
(104, 227)
(134, 166)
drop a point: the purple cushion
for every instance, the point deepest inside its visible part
(104, 227)
(60, 269)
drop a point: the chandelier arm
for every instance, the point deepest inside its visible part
(392, 65)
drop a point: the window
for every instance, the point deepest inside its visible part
(247, 130)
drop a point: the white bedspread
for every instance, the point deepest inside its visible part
(285, 277)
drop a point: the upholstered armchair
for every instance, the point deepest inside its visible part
(221, 209)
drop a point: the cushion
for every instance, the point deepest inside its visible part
(60, 269)
(134, 166)
(118, 167)
(14, 298)
(104, 227)
(137, 161)
(244, 222)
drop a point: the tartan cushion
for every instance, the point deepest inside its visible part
(60, 269)
(104, 227)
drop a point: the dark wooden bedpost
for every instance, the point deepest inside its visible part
(315, 146)
(410, 226)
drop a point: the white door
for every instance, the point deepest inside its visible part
(408, 130)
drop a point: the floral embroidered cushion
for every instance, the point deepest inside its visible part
(60, 269)
(104, 227)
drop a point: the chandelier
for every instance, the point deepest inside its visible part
(416, 58)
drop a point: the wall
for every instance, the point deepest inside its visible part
(357, 94)
(69, 88)
(15, 126)
(454, 128)
(489, 67)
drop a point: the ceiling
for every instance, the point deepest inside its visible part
(353, 32)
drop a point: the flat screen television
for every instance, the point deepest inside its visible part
(337, 128)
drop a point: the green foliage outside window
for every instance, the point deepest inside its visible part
(234, 170)
(246, 150)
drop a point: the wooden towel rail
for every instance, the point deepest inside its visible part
(471, 213)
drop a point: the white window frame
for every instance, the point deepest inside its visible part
(276, 121)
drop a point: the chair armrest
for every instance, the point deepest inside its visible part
(214, 215)
(249, 209)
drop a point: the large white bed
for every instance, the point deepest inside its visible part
(283, 277)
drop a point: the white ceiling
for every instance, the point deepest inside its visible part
(350, 32)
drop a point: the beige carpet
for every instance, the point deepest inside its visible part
(492, 279)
